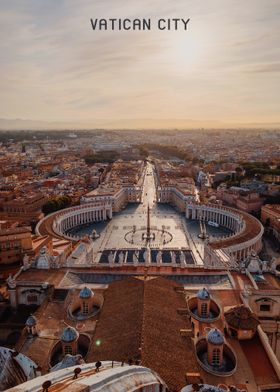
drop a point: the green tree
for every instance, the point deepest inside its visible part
(56, 203)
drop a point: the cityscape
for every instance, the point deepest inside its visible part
(118, 254)
(139, 196)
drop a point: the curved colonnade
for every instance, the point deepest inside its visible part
(59, 223)
(246, 237)
(247, 230)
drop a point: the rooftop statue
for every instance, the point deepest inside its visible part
(159, 257)
(182, 257)
(11, 282)
(121, 257)
(111, 257)
(135, 257)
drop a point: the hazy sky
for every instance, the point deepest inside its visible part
(55, 67)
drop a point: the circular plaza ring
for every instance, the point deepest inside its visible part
(138, 237)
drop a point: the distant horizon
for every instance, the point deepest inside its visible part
(179, 124)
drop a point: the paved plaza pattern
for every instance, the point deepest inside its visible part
(171, 229)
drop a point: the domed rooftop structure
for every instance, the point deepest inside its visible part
(241, 317)
(86, 293)
(203, 307)
(203, 294)
(69, 335)
(31, 321)
(214, 355)
(215, 337)
(134, 378)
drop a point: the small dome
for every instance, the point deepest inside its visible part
(69, 335)
(43, 250)
(86, 293)
(31, 321)
(203, 294)
(215, 337)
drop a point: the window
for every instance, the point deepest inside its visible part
(32, 298)
(204, 312)
(68, 350)
(85, 308)
(265, 304)
(16, 245)
(265, 308)
(216, 357)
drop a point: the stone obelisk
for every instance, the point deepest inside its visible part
(148, 233)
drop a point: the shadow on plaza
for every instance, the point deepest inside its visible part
(130, 209)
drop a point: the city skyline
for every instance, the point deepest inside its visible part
(220, 72)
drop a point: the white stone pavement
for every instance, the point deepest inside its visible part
(136, 215)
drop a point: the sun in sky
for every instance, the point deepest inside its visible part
(54, 67)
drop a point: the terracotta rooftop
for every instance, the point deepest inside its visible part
(271, 282)
(15, 230)
(226, 298)
(53, 277)
(52, 319)
(139, 320)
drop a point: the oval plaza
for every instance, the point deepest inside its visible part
(154, 219)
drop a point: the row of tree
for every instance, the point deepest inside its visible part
(56, 203)
(262, 168)
(102, 157)
(167, 151)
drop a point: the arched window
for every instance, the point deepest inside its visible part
(216, 357)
